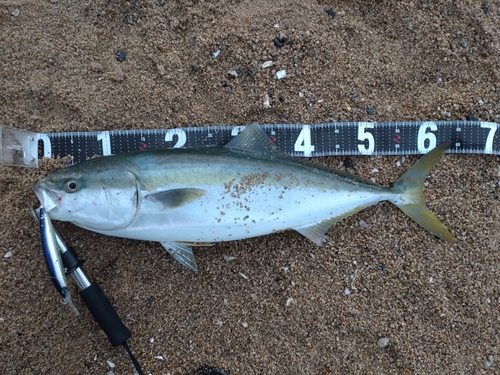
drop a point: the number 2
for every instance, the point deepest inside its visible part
(181, 137)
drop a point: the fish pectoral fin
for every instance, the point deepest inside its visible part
(316, 232)
(253, 139)
(175, 198)
(182, 253)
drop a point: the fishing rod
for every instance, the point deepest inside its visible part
(60, 257)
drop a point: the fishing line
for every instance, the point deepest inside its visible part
(23, 148)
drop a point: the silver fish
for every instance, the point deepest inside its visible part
(198, 196)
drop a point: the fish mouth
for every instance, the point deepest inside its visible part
(48, 198)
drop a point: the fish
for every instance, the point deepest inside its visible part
(186, 197)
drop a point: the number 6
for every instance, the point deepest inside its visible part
(423, 135)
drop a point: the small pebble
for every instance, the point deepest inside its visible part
(370, 111)
(16, 12)
(348, 163)
(489, 361)
(363, 224)
(464, 44)
(278, 42)
(383, 342)
(281, 99)
(347, 292)
(228, 258)
(289, 301)
(193, 41)
(280, 74)
(161, 70)
(152, 340)
(96, 67)
(8, 254)
(267, 64)
(120, 55)
(110, 364)
(480, 102)
(160, 357)
(330, 12)
(485, 8)
(117, 76)
(174, 22)
(244, 324)
(195, 66)
(216, 53)
(472, 118)
(243, 275)
(266, 102)
(231, 74)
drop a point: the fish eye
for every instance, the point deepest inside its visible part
(72, 186)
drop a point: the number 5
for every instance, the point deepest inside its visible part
(363, 135)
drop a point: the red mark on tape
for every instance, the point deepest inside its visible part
(396, 138)
(142, 146)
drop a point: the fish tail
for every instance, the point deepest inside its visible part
(410, 188)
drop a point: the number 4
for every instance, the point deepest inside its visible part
(303, 142)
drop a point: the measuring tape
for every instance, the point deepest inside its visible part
(18, 147)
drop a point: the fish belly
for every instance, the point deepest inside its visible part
(222, 216)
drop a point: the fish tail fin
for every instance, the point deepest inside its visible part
(410, 188)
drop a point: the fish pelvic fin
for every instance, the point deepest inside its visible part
(410, 188)
(182, 253)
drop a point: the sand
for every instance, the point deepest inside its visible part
(437, 303)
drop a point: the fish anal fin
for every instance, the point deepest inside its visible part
(316, 232)
(175, 198)
(253, 139)
(194, 244)
(182, 253)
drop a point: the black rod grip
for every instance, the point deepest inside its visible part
(105, 314)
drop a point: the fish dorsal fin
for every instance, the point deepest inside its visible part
(316, 232)
(253, 139)
(182, 253)
(175, 198)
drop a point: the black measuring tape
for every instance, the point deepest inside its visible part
(336, 138)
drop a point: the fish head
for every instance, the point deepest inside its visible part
(92, 195)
